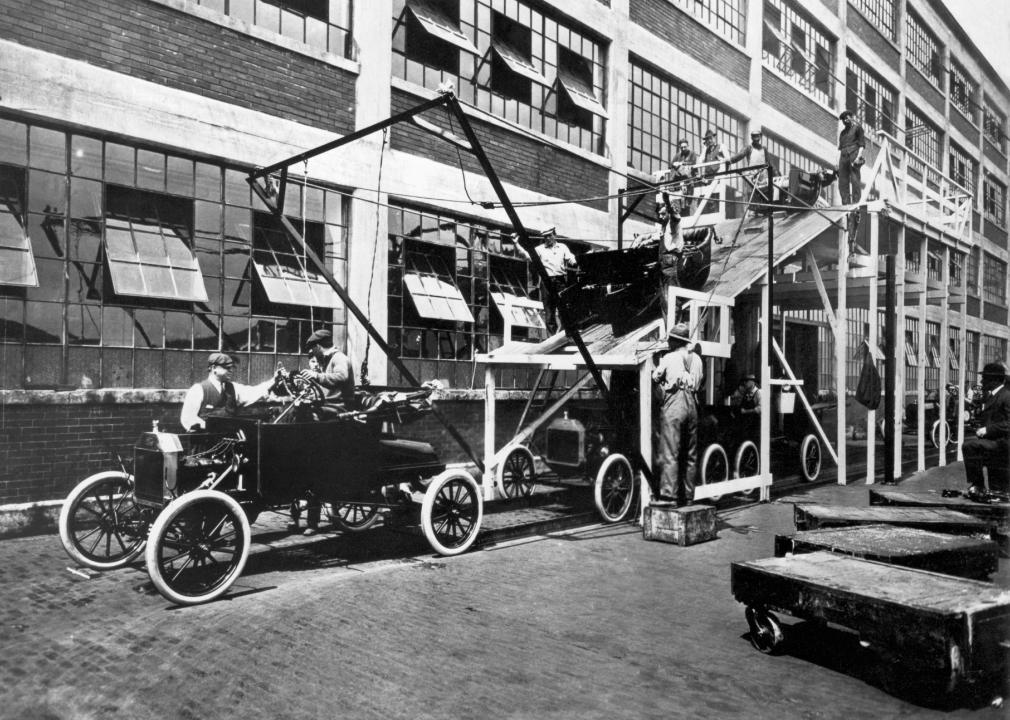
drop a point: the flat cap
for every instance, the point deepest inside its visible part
(756, 131)
(680, 331)
(319, 337)
(709, 133)
(220, 358)
(749, 376)
(995, 369)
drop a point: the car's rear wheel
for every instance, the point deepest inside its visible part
(451, 512)
(517, 474)
(101, 525)
(353, 517)
(748, 463)
(198, 547)
(614, 488)
(810, 458)
(714, 467)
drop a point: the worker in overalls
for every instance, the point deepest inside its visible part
(746, 404)
(678, 375)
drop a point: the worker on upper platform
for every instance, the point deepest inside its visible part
(757, 154)
(851, 146)
(557, 259)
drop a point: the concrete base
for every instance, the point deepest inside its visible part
(689, 525)
(38, 518)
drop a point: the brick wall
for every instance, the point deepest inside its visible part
(783, 96)
(923, 86)
(696, 39)
(155, 43)
(516, 158)
(993, 153)
(47, 448)
(869, 33)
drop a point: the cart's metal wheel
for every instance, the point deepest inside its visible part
(451, 512)
(101, 525)
(765, 631)
(714, 467)
(810, 457)
(934, 434)
(198, 547)
(353, 517)
(517, 474)
(614, 488)
(748, 463)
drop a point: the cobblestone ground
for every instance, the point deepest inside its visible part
(592, 623)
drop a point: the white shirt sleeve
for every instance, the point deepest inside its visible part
(248, 394)
(190, 415)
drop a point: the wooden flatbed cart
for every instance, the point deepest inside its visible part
(947, 630)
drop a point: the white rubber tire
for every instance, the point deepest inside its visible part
(68, 515)
(451, 512)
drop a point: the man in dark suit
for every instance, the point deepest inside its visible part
(991, 445)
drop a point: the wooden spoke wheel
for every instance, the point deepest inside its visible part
(810, 458)
(714, 467)
(614, 488)
(353, 517)
(101, 525)
(517, 474)
(748, 463)
(451, 512)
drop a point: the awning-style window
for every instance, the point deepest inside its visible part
(437, 23)
(436, 298)
(522, 311)
(151, 260)
(581, 95)
(517, 63)
(17, 263)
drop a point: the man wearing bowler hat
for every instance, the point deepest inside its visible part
(335, 376)
(991, 445)
(218, 395)
(678, 375)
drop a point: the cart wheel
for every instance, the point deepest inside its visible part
(810, 457)
(353, 517)
(451, 512)
(517, 474)
(714, 467)
(748, 463)
(101, 525)
(614, 488)
(198, 547)
(765, 630)
(934, 434)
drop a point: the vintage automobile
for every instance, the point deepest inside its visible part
(191, 498)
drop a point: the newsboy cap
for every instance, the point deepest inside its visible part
(219, 358)
(680, 331)
(749, 376)
(319, 337)
(995, 370)
(709, 133)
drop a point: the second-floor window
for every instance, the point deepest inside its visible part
(923, 49)
(963, 91)
(869, 97)
(994, 201)
(963, 169)
(508, 59)
(994, 126)
(797, 48)
(323, 24)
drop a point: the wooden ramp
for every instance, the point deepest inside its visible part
(967, 557)
(951, 629)
(996, 514)
(813, 517)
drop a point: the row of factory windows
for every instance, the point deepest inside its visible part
(545, 72)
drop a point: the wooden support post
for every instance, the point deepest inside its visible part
(487, 481)
(944, 352)
(766, 391)
(645, 433)
(871, 415)
(920, 360)
(899, 354)
(841, 353)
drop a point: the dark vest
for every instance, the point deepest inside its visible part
(218, 403)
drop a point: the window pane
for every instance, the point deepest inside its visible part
(44, 322)
(117, 327)
(180, 176)
(150, 170)
(13, 142)
(119, 162)
(48, 149)
(86, 156)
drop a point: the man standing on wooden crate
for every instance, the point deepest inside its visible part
(678, 375)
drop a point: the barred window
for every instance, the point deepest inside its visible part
(971, 353)
(994, 349)
(727, 17)
(994, 126)
(922, 138)
(954, 355)
(993, 280)
(963, 91)
(508, 59)
(932, 355)
(923, 49)
(956, 268)
(994, 201)
(911, 353)
(323, 24)
(870, 98)
(662, 112)
(797, 48)
(963, 168)
(880, 13)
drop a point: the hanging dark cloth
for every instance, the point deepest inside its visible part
(868, 391)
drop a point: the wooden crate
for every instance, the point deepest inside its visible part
(812, 517)
(951, 629)
(968, 557)
(996, 514)
(689, 525)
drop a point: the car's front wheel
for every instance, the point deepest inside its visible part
(101, 525)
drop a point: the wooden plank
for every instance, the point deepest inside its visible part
(996, 514)
(812, 517)
(967, 557)
(915, 614)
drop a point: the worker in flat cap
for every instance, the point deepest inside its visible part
(557, 259)
(678, 375)
(991, 445)
(218, 394)
(746, 404)
(757, 154)
(335, 373)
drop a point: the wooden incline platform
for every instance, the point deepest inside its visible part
(812, 517)
(997, 515)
